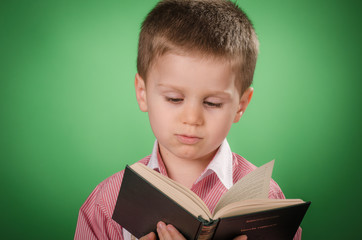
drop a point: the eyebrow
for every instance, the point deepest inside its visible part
(167, 86)
(222, 94)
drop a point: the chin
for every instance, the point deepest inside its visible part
(187, 154)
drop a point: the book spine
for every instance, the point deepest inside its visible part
(207, 229)
(207, 232)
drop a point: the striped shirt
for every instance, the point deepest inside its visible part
(95, 216)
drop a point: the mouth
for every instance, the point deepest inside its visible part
(186, 139)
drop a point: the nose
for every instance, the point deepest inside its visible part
(192, 114)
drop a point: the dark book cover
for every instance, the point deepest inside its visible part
(276, 224)
(140, 206)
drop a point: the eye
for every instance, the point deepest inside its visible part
(174, 100)
(212, 104)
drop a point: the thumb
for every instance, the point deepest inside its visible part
(150, 236)
(242, 237)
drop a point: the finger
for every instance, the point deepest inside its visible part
(175, 234)
(242, 237)
(150, 236)
(162, 231)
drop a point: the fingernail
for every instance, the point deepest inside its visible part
(170, 227)
(161, 225)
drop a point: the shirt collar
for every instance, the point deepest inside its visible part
(221, 164)
(153, 162)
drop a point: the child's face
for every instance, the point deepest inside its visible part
(192, 103)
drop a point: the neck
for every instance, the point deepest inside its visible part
(185, 171)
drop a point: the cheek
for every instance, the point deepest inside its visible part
(156, 124)
(160, 118)
(221, 123)
(161, 110)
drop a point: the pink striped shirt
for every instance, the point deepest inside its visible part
(95, 215)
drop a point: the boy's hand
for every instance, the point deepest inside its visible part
(241, 237)
(150, 236)
(169, 232)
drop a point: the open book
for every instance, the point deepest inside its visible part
(147, 197)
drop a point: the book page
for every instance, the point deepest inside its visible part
(254, 205)
(179, 193)
(254, 185)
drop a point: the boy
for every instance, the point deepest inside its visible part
(196, 60)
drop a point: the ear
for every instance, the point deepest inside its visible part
(244, 102)
(140, 87)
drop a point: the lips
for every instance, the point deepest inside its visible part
(189, 140)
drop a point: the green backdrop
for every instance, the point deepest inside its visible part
(69, 116)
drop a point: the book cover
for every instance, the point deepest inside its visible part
(140, 206)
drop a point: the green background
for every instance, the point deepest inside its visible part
(69, 116)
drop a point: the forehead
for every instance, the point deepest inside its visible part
(188, 70)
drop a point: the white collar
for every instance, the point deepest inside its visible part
(221, 164)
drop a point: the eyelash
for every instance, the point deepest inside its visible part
(214, 105)
(174, 100)
(209, 104)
